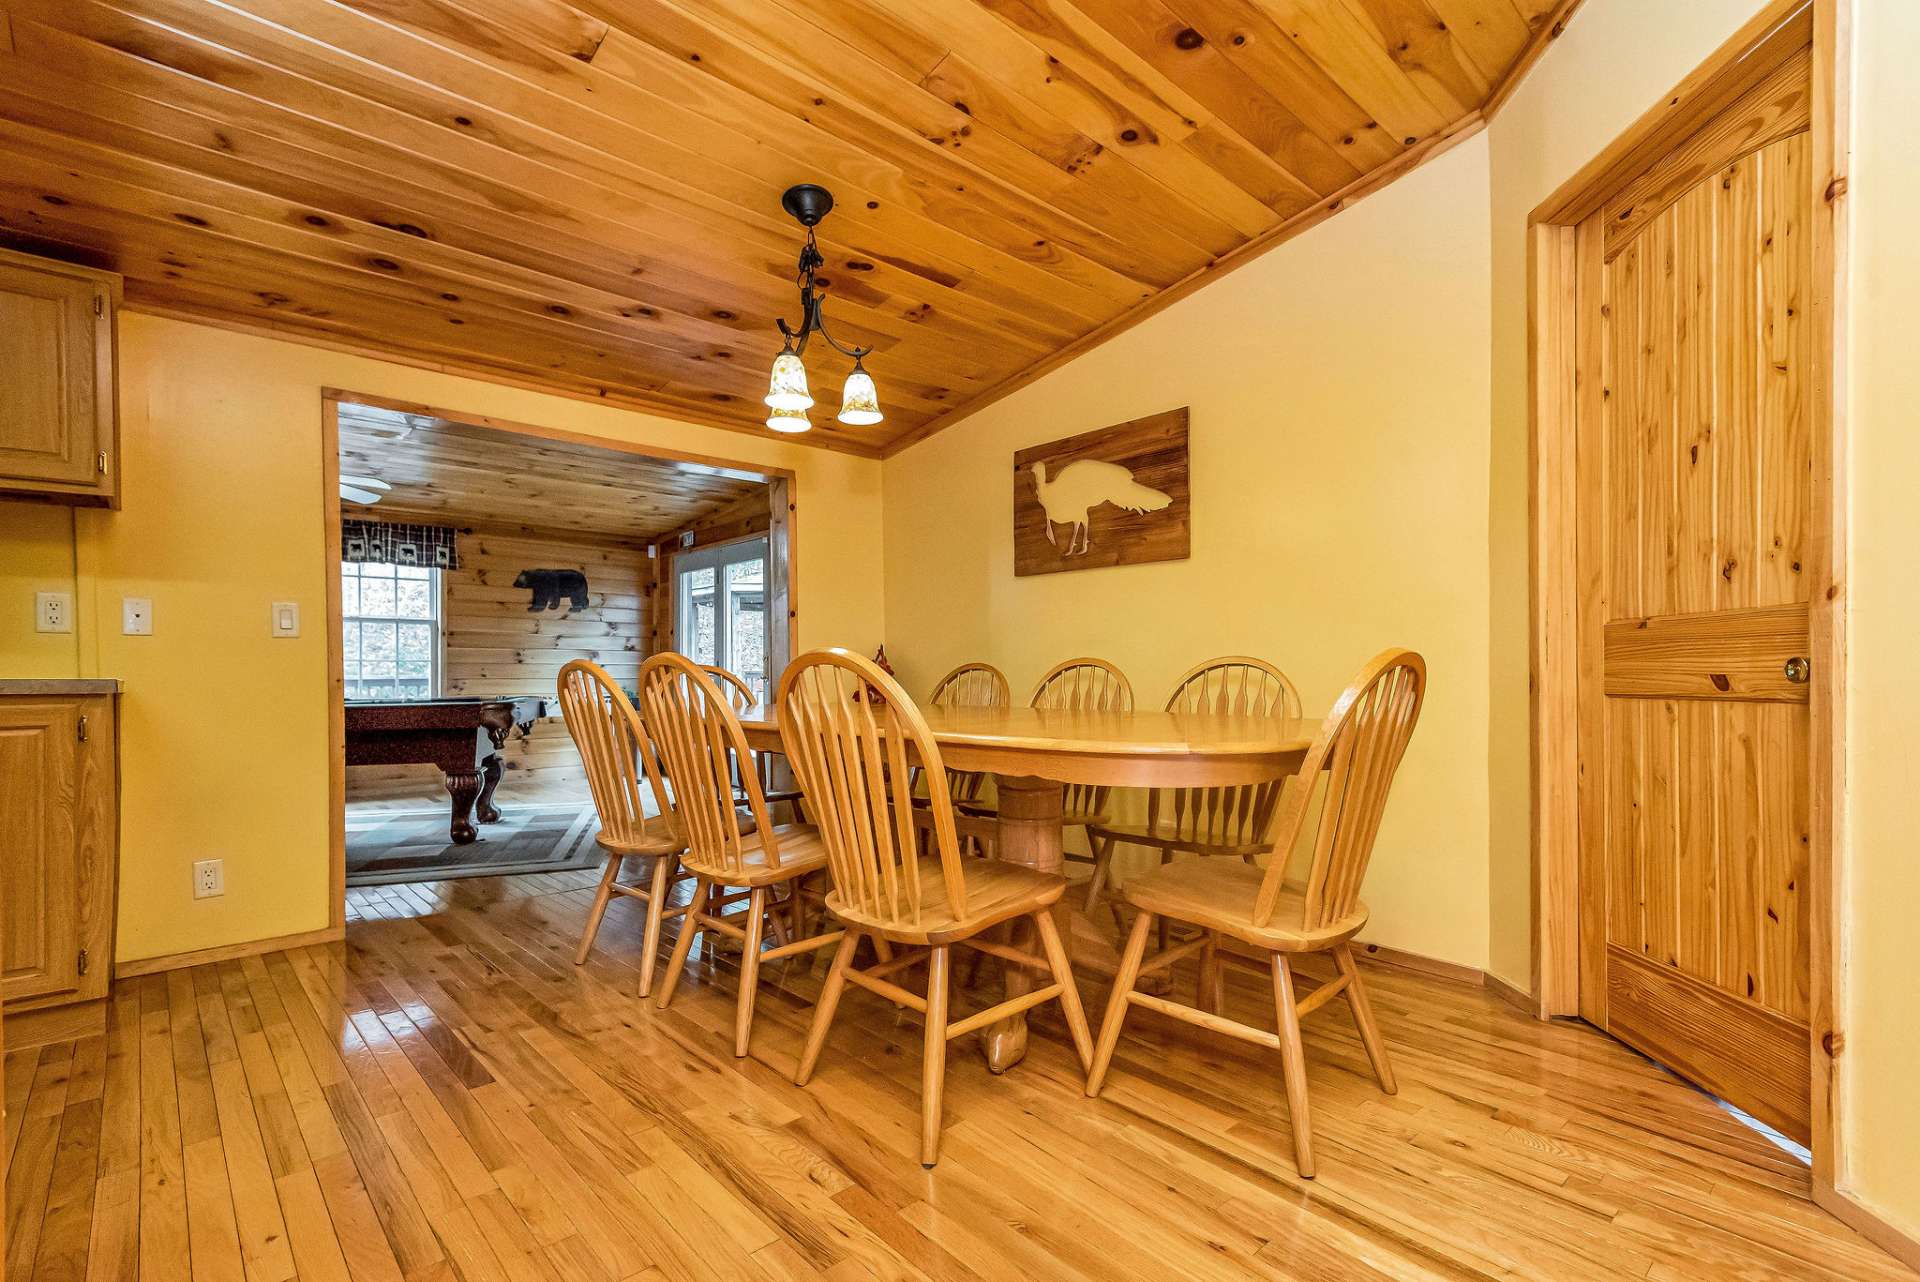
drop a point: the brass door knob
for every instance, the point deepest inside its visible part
(1798, 670)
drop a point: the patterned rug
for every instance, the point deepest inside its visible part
(387, 846)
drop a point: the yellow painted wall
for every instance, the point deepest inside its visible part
(36, 555)
(1338, 388)
(1881, 888)
(223, 731)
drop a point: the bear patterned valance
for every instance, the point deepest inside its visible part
(399, 544)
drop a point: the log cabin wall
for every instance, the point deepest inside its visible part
(494, 645)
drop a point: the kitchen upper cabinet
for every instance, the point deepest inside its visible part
(58, 856)
(59, 417)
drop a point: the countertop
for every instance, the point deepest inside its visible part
(58, 686)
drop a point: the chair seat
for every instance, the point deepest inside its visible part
(665, 843)
(996, 891)
(801, 852)
(1218, 894)
(1164, 839)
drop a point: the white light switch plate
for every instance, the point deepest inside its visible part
(136, 616)
(286, 618)
(53, 612)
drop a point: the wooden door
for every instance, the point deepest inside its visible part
(39, 871)
(1694, 508)
(56, 400)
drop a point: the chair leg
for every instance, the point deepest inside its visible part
(689, 927)
(1123, 982)
(1166, 857)
(1206, 990)
(829, 1003)
(1102, 862)
(656, 913)
(933, 1065)
(1069, 991)
(1364, 1020)
(1293, 1062)
(598, 910)
(749, 971)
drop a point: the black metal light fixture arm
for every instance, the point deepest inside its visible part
(812, 318)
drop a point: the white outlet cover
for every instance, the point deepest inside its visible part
(53, 612)
(209, 878)
(284, 617)
(136, 616)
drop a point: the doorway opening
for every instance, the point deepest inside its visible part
(470, 560)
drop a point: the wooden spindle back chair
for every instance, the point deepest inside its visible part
(1083, 685)
(704, 752)
(1342, 788)
(1209, 821)
(971, 685)
(622, 776)
(852, 755)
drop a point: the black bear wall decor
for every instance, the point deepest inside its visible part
(550, 585)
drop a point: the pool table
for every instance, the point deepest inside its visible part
(463, 737)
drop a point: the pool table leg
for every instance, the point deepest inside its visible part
(483, 808)
(463, 786)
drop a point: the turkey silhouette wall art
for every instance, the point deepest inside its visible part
(1116, 496)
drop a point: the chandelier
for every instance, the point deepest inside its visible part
(787, 394)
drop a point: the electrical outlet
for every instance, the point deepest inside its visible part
(136, 616)
(209, 878)
(53, 612)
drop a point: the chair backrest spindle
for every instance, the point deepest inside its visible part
(971, 685)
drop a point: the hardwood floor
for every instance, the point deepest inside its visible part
(446, 1097)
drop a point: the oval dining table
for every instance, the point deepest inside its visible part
(1033, 752)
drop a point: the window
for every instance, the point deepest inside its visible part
(391, 614)
(720, 609)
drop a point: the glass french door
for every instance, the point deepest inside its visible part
(720, 608)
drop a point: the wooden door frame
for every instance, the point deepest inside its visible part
(1556, 367)
(781, 555)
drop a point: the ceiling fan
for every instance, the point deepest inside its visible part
(362, 489)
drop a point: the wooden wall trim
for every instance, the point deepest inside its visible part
(1832, 146)
(1551, 30)
(1781, 30)
(226, 952)
(1868, 1223)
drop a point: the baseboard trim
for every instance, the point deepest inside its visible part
(48, 1024)
(226, 952)
(1896, 1242)
(1425, 965)
(1512, 994)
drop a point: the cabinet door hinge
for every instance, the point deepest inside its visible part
(83, 730)
(100, 462)
(99, 305)
(83, 961)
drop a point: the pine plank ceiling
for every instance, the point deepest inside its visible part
(466, 474)
(584, 195)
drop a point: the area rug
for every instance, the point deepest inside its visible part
(388, 846)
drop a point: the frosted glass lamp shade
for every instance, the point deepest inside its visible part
(788, 388)
(791, 421)
(859, 403)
